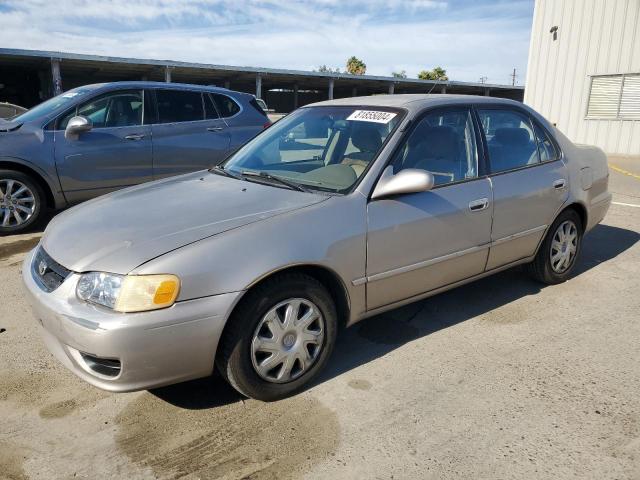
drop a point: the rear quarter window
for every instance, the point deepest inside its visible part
(225, 105)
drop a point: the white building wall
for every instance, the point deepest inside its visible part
(595, 37)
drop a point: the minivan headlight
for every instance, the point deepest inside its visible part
(128, 293)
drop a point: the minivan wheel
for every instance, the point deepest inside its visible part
(279, 337)
(559, 250)
(21, 202)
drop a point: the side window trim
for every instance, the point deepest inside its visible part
(532, 122)
(416, 121)
(56, 121)
(213, 104)
(556, 148)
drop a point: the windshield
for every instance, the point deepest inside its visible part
(47, 108)
(322, 148)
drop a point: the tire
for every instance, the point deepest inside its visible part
(240, 358)
(545, 267)
(13, 215)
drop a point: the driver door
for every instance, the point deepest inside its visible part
(422, 241)
(115, 153)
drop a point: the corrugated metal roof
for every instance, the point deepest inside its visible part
(10, 52)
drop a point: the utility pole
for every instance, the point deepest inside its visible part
(483, 79)
(513, 77)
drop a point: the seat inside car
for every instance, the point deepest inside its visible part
(510, 148)
(436, 149)
(367, 139)
(121, 113)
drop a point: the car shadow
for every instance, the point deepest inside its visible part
(379, 335)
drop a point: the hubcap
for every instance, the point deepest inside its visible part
(564, 246)
(287, 341)
(17, 203)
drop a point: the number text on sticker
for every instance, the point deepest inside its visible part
(371, 116)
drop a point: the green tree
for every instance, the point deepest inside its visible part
(325, 69)
(355, 66)
(438, 73)
(401, 74)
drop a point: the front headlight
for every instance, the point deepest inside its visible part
(128, 293)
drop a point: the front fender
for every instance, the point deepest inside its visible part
(330, 234)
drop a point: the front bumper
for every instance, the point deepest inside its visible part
(152, 349)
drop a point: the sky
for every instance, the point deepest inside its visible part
(470, 39)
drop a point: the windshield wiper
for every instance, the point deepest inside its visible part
(280, 180)
(222, 171)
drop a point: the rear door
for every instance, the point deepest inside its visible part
(243, 121)
(188, 135)
(115, 153)
(529, 182)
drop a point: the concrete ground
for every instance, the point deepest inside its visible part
(502, 378)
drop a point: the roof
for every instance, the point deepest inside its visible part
(150, 84)
(276, 72)
(414, 100)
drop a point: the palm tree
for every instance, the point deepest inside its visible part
(438, 73)
(355, 66)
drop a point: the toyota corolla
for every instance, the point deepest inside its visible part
(342, 210)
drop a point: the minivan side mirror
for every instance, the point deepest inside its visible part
(409, 180)
(76, 126)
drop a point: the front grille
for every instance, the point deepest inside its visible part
(48, 273)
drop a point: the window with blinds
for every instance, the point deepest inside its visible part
(614, 97)
(630, 99)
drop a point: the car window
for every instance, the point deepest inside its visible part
(510, 139)
(444, 144)
(546, 148)
(210, 111)
(226, 106)
(326, 148)
(113, 109)
(179, 106)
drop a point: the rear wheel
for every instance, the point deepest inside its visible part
(559, 250)
(21, 202)
(279, 337)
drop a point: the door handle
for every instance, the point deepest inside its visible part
(134, 136)
(478, 205)
(559, 184)
(215, 129)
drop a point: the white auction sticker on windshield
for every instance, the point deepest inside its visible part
(70, 94)
(371, 116)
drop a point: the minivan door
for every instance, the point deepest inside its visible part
(422, 241)
(115, 153)
(188, 135)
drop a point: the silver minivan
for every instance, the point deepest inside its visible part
(99, 138)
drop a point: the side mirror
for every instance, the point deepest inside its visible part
(410, 180)
(76, 126)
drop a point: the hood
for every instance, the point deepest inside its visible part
(120, 231)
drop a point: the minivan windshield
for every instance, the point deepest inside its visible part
(48, 107)
(320, 148)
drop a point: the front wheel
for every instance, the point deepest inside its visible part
(559, 250)
(21, 202)
(279, 337)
